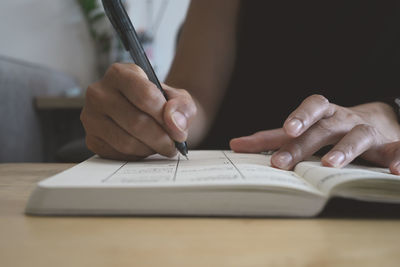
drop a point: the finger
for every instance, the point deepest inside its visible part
(310, 111)
(387, 155)
(139, 125)
(394, 165)
(302, 147)
(179, 113)
(130, 80)
(104, 150)
(107, 130)
(260, 141)
(361, 138)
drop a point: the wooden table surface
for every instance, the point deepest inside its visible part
(135, 241)
(59, 102)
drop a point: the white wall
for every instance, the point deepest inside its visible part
(165, 37)
(53, 33)
(48, 32)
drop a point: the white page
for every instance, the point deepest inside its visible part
(326, 178)
(208, 168)
(257, 168)
(202, 167)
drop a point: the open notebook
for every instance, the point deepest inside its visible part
(211, 183)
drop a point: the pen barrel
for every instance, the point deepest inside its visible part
(140, 59)
(122, 24)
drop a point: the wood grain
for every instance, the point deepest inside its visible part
(135, 241)
(59, 102)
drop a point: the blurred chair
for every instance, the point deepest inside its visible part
(21, 138)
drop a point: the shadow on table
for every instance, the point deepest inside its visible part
(349, 208)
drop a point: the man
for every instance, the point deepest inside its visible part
(244, 65)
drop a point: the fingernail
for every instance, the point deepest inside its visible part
(294, 126)
(179, 120)
(396, 167)
(282, 160)
(336, 158)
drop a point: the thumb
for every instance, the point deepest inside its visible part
(179, 112)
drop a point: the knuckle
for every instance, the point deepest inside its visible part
(128, 72)
(303, 116)
(150, 93)
(135, 67)
(139, 124)
(115, 69)
(149, 98)
(353, 117)
(326, 125)
(366, 130)
(319, 99)
(295, 150)
(138, 70)
(349, 150)
(94, 94)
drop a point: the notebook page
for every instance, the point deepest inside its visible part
(326, 178)
(257, 167)
(208, 168)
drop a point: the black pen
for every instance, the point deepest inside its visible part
(121, 22)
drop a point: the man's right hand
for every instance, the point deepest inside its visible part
(126, 117)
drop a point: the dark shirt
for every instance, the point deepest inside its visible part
(347, 51)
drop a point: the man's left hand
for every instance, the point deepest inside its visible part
(370, 131)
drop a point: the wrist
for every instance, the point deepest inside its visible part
(394, 103)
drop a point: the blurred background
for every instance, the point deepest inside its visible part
(50, 51)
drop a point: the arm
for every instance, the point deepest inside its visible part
(205, 58)
(126, 117)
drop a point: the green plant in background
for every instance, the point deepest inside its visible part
(108, 47)
(95, 17)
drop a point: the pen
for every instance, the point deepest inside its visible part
(122, 24)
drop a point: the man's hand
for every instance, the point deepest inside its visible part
(369, 130)
(126, 117)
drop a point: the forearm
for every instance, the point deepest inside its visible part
(199, 127)
(205, 58)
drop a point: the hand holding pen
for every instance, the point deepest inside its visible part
(127, 117)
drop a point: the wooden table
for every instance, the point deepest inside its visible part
(135, 241)
(59, 102)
